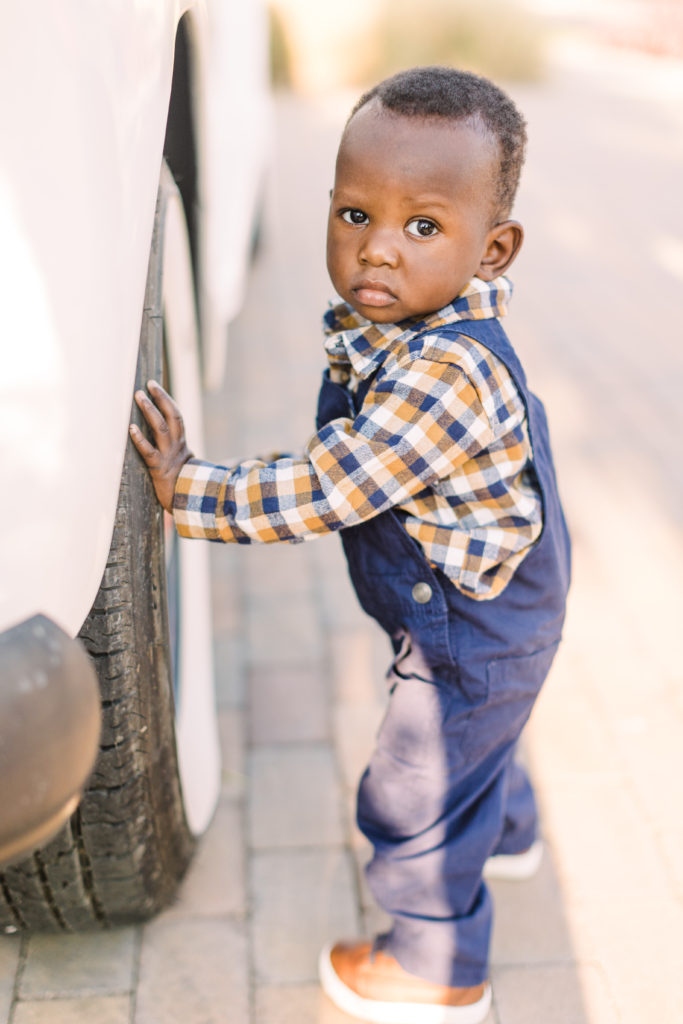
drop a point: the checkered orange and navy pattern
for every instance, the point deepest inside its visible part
(441, 437)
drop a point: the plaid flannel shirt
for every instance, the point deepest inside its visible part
(441, 437)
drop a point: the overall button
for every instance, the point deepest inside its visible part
(422, 593)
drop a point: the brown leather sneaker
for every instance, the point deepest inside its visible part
(372, 985)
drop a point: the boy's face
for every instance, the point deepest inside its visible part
(411, 213)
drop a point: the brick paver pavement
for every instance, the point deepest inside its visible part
(595, 938)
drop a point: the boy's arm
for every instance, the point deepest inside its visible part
(169, 453)
(417, 425)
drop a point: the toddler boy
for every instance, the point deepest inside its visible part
(432, 459)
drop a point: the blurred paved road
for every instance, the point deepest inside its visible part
(596, 937)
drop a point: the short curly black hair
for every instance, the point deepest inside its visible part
(449, 93)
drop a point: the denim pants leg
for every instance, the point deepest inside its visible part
(442, 791)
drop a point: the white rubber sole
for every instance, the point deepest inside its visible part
(515, 867)
(395, 1013)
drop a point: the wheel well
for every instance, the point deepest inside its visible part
(180, 149)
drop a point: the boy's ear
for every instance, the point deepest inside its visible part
(503, 242)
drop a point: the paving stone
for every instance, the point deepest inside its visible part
(301, 900)
(95, 1010)
(342, 610)
(355, 730)
(330, 565)
(637, 941)
(294, 1004)
(226, 590)
(284, 570)
(355, 838)
(339, 602)
(601, 848)
(529, 922)
(229, 656)
(65, 965)
(283, 630)
(294, 797)
(653, 606)
(616, 665)
(566, 730)
(287, 704)
(10, 949)
(360, 658)
(231, 731)
(215, 882)
(554, 994)
(193, 972)
(649, 745)
(219, 421)
(669, 838)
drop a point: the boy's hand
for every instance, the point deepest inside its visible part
(171, 452)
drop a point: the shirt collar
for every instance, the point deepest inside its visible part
(350, 338)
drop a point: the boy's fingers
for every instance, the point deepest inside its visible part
(169, 409)
(155, 387)
(147, 450)
(153, 416)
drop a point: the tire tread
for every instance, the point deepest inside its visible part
(121, 856)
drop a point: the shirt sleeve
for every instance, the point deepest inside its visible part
(418, 424)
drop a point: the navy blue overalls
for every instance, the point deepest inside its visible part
(442, 791)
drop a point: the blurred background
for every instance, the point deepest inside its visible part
(318, 47)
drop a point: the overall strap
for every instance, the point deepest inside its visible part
(491, 335)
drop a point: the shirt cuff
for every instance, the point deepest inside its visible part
(199, 501)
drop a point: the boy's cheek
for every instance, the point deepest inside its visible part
(335, 268)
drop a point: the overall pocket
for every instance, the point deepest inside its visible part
(512, 687)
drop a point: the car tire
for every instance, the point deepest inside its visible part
(155, 784)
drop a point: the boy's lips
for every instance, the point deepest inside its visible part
(373, 293)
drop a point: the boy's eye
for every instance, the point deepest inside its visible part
(354, 216)
(421, 227)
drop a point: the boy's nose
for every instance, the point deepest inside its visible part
(379, 248)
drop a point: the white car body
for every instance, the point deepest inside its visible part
(84, 94)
